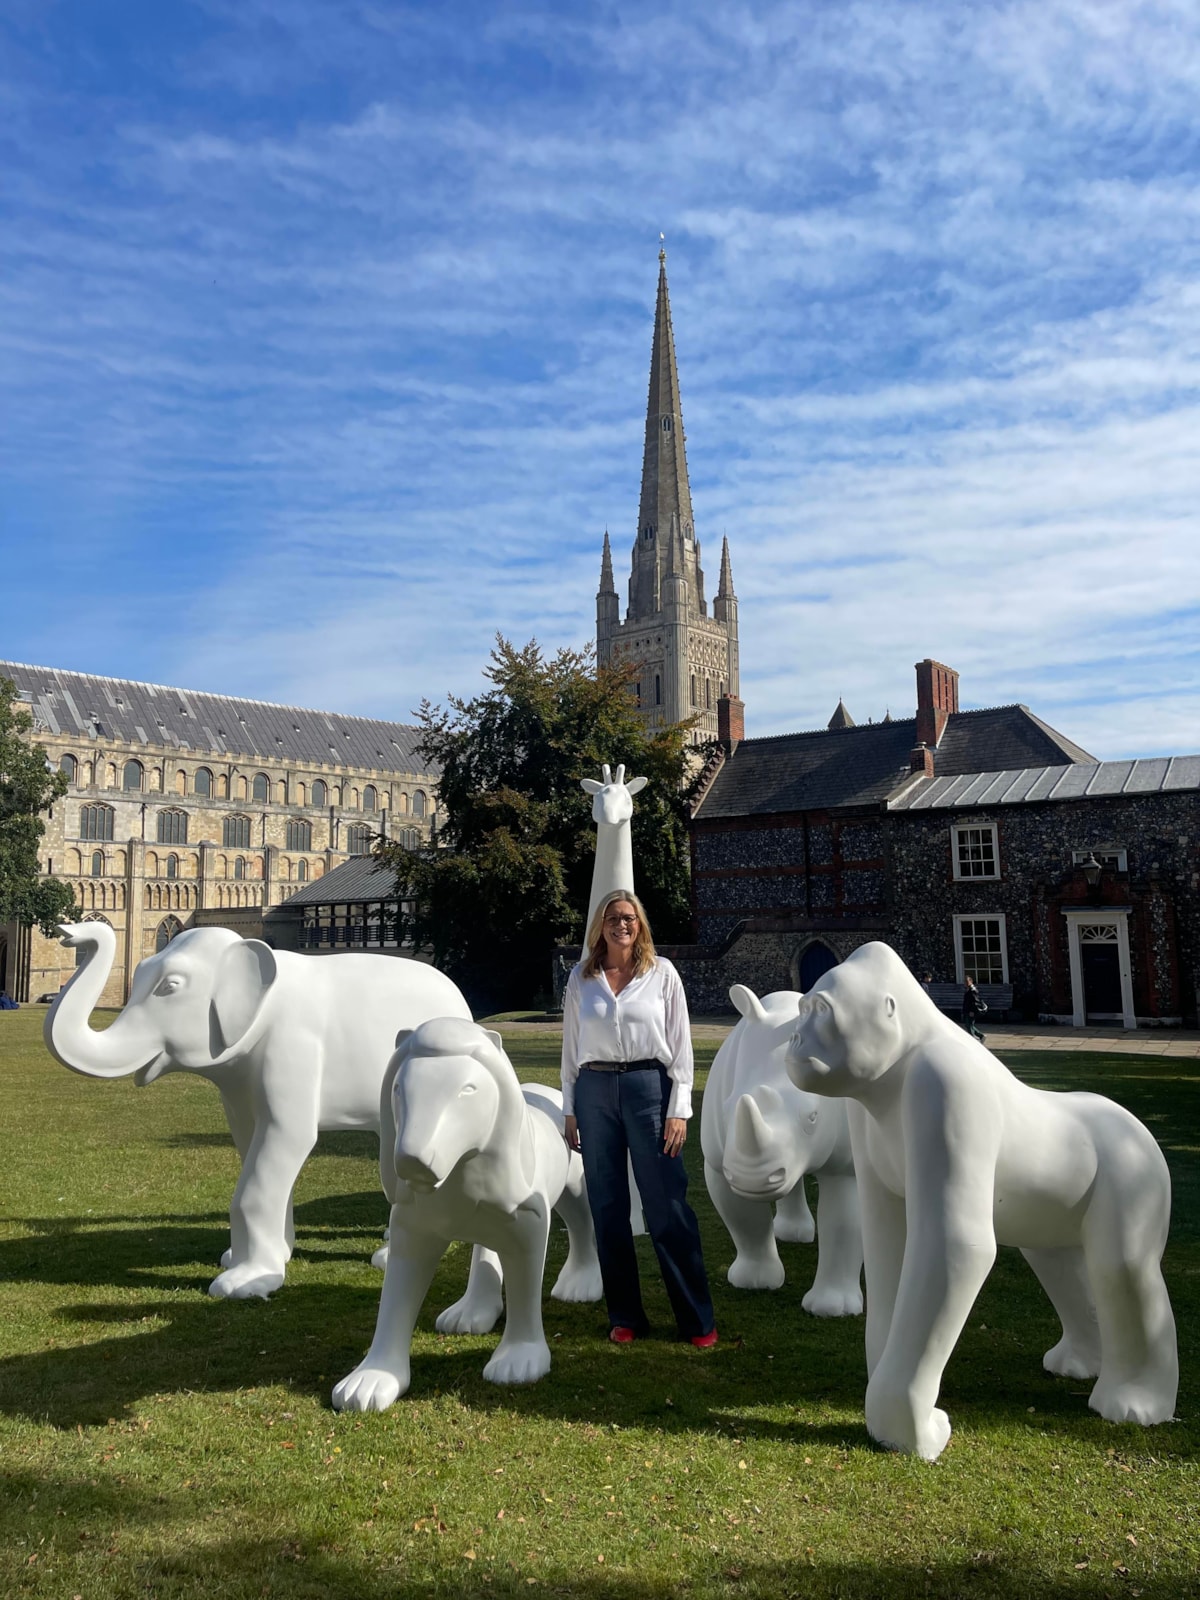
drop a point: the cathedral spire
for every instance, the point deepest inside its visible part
(607, 585)
(725, 586)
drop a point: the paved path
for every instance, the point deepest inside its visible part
(1178, 1042)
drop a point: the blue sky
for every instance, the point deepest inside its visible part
(325, 332)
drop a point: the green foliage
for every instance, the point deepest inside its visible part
(512, 873)
(27, 789)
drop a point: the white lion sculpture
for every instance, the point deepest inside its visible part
(955, 1156)
(760, 1135)
(466, 1153)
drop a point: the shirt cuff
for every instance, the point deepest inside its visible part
(680, 1103)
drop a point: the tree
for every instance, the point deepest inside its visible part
(512, 872)
(27, 789)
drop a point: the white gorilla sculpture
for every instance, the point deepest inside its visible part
(955, 1156)
(466, 1153)
(760, 1135)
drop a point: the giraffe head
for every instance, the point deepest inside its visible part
(612, 800)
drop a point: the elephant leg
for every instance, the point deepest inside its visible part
(1123, 1237)
(258, 1215)
(580, 1278)
(523, 1356)
(1063, 1275)
(383, 1374)
(756, 1264)
(837, 1290)
(794, 1222)
(239, 1113)
(479, 1309)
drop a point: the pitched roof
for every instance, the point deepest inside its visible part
(1156, 775)
(84, 706)
(359, 881)
(856, 766)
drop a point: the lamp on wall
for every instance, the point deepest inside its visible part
(1091, 869)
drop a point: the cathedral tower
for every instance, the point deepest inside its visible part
(686, 660)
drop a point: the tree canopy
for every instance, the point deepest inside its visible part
(27, 789)
(512, 872)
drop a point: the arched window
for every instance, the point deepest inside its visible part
(299, 835)
(235, 833)
(418, 803)
(693, 688)
(320, 793)
(97, 863)
(300, 800)
(657, 690)
(239, 867)
(96, 822)
(262, 787)
(223, 787)
(370, 798)
(172, 866)
(243, 789)
(70, 766)
(402, 804)
(302, 871)
(169, 928)
(708, 694)
(133, 776)
(358, 839)
(202, 783)
(172, 827)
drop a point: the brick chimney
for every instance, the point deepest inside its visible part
(937, 699)
(920, 759)
(731, 721)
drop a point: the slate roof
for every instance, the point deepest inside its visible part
(359, 881)
(858, 766)
(83, 706)
(1153, 776)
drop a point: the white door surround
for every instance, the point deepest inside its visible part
(1097, 924)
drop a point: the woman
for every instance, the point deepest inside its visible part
(627, 1093)
(973, 1007)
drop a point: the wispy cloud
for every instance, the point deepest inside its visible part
(324, 334)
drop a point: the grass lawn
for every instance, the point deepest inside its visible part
(155, 1442)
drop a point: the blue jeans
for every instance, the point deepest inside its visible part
(622, 1114)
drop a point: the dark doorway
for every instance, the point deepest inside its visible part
(1101, 979)
(814, 963)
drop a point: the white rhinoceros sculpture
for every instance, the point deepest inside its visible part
(760, 1135)
(466, 1153)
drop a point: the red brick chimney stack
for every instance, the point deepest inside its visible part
(731, 721)
(920, 759)
(937, 699)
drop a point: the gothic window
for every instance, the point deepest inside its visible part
(97, 863)
(981, 949)
(235, 833)
(239, 867)
(693, 688)
(202, 783)
(974, 852)
(657, 690)
(300, 794)
(172, 827)
(666, 424)
(262, 787)
(70, 766)
(172, 866)
(302, 871)
(418, 803)
(320, 793)
(169, 928)
(96, 822)
(358, 839)
(370, 799)
(133, 776)
(299, 835)
(708, 694)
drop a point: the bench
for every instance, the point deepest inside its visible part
(996, 996)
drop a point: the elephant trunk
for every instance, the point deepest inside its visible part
(66, 1031)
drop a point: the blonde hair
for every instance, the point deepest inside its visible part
(644, 954)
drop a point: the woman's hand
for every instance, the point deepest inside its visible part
(571, 1133)
(674, 1133)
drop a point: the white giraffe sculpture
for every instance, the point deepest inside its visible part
(612, 812)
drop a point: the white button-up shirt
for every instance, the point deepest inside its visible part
(648, 1020)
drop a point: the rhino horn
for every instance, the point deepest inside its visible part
(770, 1101)
(747, 1003)
(750, 1133)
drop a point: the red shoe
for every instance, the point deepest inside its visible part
(621, 1336)
(704, 1341)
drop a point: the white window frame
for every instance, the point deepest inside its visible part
(974, 827)
(1108, 855)
(980, 916)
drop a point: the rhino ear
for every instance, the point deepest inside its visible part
(636, 785)
(590, 786)
(495, 1038)
(402, 1038)
(746, 1003)
(243, 980)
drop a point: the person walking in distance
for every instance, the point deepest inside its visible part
(973, 1006)
(627, 1074)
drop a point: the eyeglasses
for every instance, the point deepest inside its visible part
(620, 922)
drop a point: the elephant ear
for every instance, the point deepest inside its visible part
(244, 977)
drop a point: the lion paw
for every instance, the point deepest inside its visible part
(518, 1361)
(470, 1316)
(756, 1272)
(370, 1387)
(245, 1282)
(580, 1285)
(790, 1230)
(1132, 1402)
(1066, 1360)
(833, 1302)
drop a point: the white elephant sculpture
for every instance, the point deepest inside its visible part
(295, 1044)
(760, 1135)
(467, 1153)
(955, 1156)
